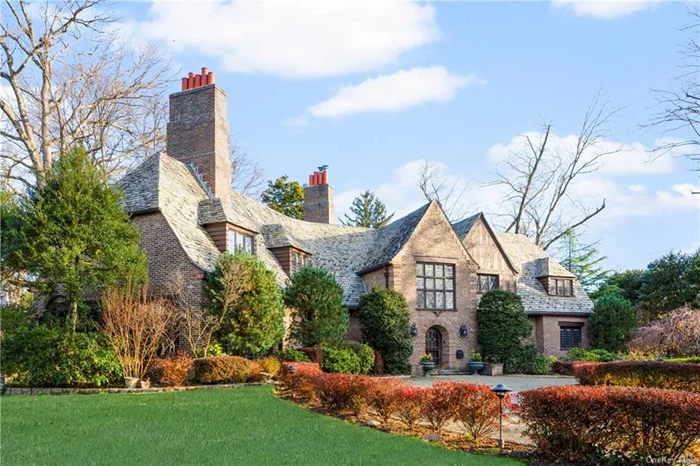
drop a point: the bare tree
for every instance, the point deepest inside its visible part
(247, 176)
(72, 81)
(680, 109)
(539, 178)
(449, 191)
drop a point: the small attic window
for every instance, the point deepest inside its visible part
(562, 287)
(297, 261)
(238, 241)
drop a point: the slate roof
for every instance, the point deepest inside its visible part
(463, 226)
(531, 261)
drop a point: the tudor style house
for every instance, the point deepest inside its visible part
(183, 204)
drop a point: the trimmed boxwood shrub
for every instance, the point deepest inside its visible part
(222, 369)
(502, 325)
(341, 360)
(656, 374)
(611, 425)
(385, 318)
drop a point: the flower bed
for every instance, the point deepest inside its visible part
(621, 424)
(650, 374)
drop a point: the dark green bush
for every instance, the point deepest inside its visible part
(366, 355)
(341, 359)
(43, 356)
(385, 318)
(292, 355)
(612, 323)
(316, 298)
(530, 361)
(597, 355)
(501, 327)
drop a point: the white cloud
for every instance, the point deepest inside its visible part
(604, 9)
(637, 188)
(292, 38)
(394, 92)
(631, 159)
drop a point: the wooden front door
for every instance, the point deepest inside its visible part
(433, 345)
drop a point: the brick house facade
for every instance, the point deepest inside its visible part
(188, 215)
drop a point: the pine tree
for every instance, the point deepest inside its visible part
(72, 234)
(584, 261)
(367, 211)
(284, 196)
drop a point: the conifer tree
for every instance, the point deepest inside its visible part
(367, 211)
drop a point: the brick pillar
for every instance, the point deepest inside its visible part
(198, 132)
(318, 199)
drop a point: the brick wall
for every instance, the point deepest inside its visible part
(546, 333)
(318, 204)
(198, 132)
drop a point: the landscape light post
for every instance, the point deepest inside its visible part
(500, 390)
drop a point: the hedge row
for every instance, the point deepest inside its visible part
(611, 425)
(650, 374)
(473, 406)
(182, 370)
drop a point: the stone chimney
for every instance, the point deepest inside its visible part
(318, 198)
(198, 133)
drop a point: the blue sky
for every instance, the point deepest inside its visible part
(371, 89)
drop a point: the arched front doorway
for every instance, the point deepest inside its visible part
(433, 345)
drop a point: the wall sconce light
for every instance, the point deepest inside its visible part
(463, 330)
(413, 330)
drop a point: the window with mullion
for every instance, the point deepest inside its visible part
(238, 241)
(487, 282)
(569, 337)
(435, 286)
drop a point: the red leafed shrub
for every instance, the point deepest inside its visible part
(170, 372)
(629, 425)
(383, 398)
(341, 393)
(314, 354)
(477, 408)
(439, 407)
(410, 403)
(650, 374)
(222, 369)
(302, 381)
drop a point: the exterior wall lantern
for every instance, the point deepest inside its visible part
(463, 330)
(413, 330)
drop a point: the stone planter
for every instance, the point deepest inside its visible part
(427, 367)
(475, 367)
(131, 382)
(493, 369)
(144, 383)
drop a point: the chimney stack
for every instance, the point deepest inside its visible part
(198, 131)
(318, 198)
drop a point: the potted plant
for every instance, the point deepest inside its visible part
(475, 364)
(427, 363)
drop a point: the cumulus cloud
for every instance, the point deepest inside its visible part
(395, 92)
(292, 39)
(604, 9)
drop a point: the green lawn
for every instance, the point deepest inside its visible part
(246, 426)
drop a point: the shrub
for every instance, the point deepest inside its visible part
(410, 404)
(252, 322)
(652, 374)
(677, 334)
(292, 355)
(528, 360)
(42, 356)
(477, 408)
(439, 406)
(501, 326)
(301, 382)
(626, 425)
(612, 323)
(366, 355)
(596, 355)
(171, 372)
(692, 360)
(341, 393)
(383, 397)
(385, 318)
(222, 369)
(269, 365)
(563, 367)
(319, 316)
(341, 360)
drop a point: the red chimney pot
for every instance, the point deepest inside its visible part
(197, 80)
(185, 83)
(210, 78)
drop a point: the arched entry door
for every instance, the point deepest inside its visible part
(433, 345)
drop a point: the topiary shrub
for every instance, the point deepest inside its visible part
(170, 372)
(612, 323)
(385, 318)
(43, 356)
(222, 369)
(292, 355)
(501, 327)
(342, 360)
(319, 316)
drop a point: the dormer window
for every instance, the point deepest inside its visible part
(239, 241)
(562, 287)
(297, 261)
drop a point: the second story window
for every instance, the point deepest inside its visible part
(562, 287)
(298, 261)
(487, 283)
(238, 241)
(435, 286)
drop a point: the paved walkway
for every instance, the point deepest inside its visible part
(517, 383)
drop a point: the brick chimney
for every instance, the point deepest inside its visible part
(198, 133)
(318, 198)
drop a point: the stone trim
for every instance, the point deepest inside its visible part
(12, 391)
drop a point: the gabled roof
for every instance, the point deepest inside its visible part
(529, 259)
(463, 226)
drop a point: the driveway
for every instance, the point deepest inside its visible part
(517, 383)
